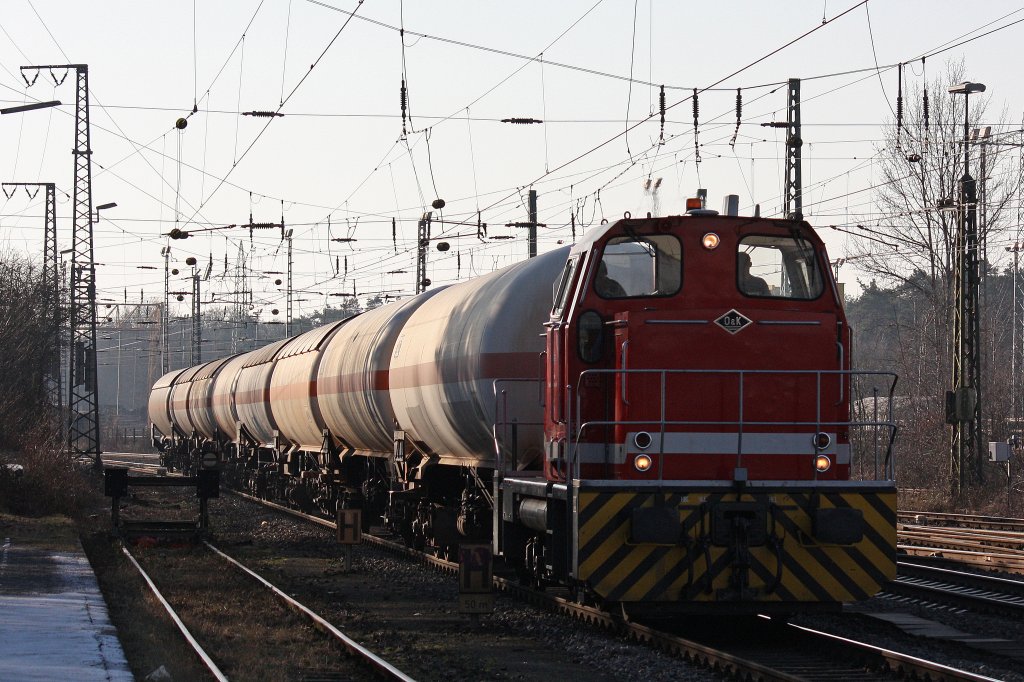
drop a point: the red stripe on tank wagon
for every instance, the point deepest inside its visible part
(352, 383)
(296, 391)
(492, 366)
(251, 397)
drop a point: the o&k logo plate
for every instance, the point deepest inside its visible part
(733, 321)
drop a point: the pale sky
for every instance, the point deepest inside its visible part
(338, 161)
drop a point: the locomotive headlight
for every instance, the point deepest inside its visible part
(642, 440)
(822, 440)
(822, 463)
(711, 241)
(643, 462)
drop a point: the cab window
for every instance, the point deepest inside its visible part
(562, 286)
(772, 266)
(640, 266)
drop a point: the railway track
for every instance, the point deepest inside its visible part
(135, 461)
(962, 520)
(983, 541)
(794, 655)
(785, 652)
(363, 664)
(980, 593)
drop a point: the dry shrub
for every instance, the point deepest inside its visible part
(52, 482)
(27, 350)
(924, 499)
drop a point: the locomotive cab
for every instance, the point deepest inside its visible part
(726, 329)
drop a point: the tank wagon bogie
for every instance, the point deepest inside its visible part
(672, 432)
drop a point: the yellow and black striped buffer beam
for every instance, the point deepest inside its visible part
(798, 545)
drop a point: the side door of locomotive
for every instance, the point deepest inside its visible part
(555, 350)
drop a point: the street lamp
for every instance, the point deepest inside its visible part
(103, 207)
(964, 403)
(30, 107)
(966, 88)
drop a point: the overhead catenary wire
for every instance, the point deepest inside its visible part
(302, 80)
(705, 145)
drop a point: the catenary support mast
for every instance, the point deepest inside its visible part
(83, 437)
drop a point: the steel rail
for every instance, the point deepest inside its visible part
(978, 593)
(203, 656)
(910, 666)
(979, 580)
(352, 646)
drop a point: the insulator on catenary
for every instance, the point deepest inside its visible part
(521, 121)
(404, 97)
(696, 115)
(661, 106)
(899, 104)
(394, 235)
(739, 115)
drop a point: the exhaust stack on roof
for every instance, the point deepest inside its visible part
(731, 204)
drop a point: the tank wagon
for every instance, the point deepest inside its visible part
(658, 417)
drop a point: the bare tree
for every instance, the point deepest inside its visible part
(921, 164)
(911, 250)
(27, 340)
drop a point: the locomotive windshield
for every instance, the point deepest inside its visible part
(777, 267)
(640, 266)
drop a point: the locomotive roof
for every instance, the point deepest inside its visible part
(593, 236)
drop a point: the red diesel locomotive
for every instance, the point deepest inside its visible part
(673, 433)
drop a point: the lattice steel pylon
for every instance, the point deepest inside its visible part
(288, 293)
(422, 246)
(964, 403)
(51, 283)
(165, 346)
(83, 437)
(196, 356)
(51, 287)
(83, 394)
(794, 194)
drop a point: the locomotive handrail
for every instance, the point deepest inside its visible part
(625, 366)
(740, 422)
(501, 418)
(842, 356)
